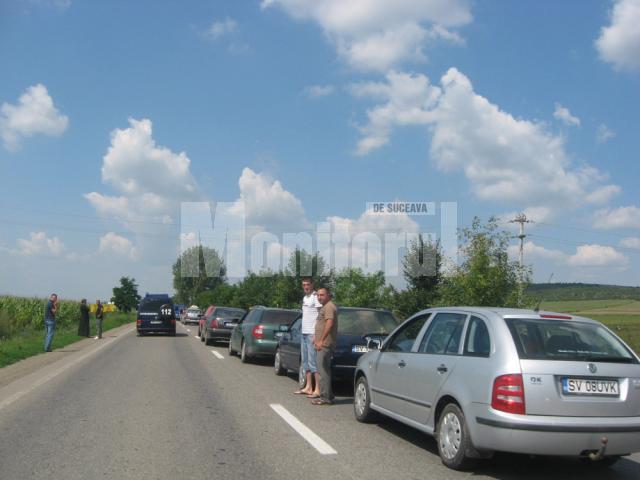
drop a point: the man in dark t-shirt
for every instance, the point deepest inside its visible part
(50, 310)
(99, 317)
(325, 343)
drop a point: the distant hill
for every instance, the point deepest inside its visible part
(582, 291)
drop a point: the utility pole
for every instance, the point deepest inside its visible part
(521, 218)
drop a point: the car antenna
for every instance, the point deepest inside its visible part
(537, 309)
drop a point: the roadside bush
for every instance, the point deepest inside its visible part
(19, 314)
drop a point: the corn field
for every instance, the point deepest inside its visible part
(18, 314)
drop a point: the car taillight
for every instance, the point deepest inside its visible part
(173, 321)
(139, 321)
(258, 331)
(214, 323)
(508, 394)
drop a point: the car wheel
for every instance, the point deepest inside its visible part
(231, 351)
(453, 438)
(244, 358)
(277, 364)
(302, 377)
(362, 401)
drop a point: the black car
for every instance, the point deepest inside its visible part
(155, 315)
(218, 323)
(355, 327)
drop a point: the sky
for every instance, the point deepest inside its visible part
(117, 117)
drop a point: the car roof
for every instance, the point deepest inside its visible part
(513, 313)
(276, 309)
(365, 309)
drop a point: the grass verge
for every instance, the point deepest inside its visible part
(31, 342)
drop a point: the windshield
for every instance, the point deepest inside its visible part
(360, 322)
(567, 340)
(229, 312)
(193, 311)
(152, 305)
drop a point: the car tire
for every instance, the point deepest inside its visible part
(277, 364)
(244, 357)
(302, 377)
(453, 438)
(231, 351)
(362, 401)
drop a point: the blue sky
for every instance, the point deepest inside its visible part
(113, 113)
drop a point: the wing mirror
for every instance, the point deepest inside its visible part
(374, 344)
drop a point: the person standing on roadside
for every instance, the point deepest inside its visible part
(83, 326)
(310, 307)
(99, 317)
(325, 343)
(50, 310)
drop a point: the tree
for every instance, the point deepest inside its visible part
(486, 276)
(422, 270)
(354, 288)
(126, 296)
(197, 270)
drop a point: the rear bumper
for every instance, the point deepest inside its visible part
(546, 435)
(155, 329)
(262, 348)
(218, 333)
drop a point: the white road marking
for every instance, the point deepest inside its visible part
(8, 401)
(305, 432)
(217, 355)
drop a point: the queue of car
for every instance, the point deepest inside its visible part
(479, 380)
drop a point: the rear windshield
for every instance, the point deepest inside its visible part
(152, 305)
(275, 317)
(360, 322)
(229, 312)
(567, 340)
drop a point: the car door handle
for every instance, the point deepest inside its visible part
(402, 364)
(442, 369)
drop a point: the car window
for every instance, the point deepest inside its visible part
(229, 312)
(567, 341)
(361, 322)
(477, 343)
(444, 334)
(278, 317)
(295, 327)
(252, 317)
(404, 338)
(151, 306)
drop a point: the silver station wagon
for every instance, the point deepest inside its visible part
(482, 380)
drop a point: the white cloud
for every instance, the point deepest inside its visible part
(111, 243)
(533, 251)
(564, 115)
(39, 244)
(152, 180)
(378, 34)
(631, 242)
(408, 100)
(221, 28)
(597, 256)
(34, 114)
(317, 91)
(504, 158)
(621, 217)
(604, 134)
(619, 43)
(269, 205)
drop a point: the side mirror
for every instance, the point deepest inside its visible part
(374, 344)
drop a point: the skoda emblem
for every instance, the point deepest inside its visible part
(593, 368)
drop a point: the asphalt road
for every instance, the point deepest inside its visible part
(169, 408)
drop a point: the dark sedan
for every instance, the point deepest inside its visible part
(218, 323)
(355, 327)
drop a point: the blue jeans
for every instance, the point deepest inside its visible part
(50, 328)
(308, 353)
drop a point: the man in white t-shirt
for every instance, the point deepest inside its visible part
(310, 308)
